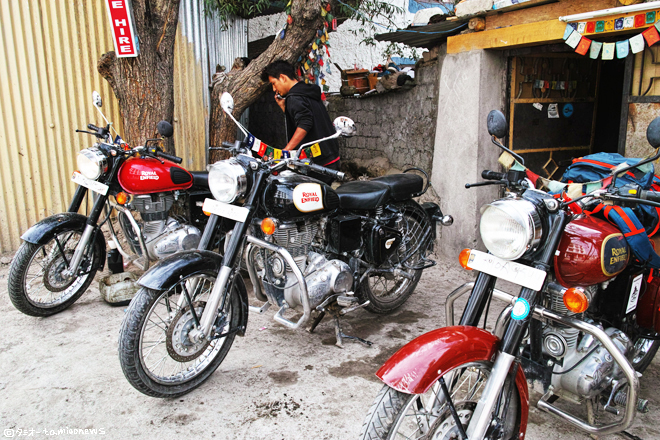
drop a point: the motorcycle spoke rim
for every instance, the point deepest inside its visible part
(159, 365)
(35, 288)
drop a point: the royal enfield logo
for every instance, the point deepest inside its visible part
(149, 175)
(308, 197)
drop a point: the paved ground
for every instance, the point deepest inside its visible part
(63, 372)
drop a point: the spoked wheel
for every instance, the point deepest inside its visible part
(395, 415)
(157, 353)
(390, 285)
(643, 352)
(38, 283)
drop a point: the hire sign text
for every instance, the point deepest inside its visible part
(121, 23)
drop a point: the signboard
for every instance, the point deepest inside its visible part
(123, 33)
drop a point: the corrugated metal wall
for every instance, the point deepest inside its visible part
(48, 52)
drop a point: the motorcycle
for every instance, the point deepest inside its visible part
(306, 249)
(580, 327)
(61, 254)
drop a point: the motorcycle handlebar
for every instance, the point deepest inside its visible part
(652, 196)
(492, 175)
(93, 127)
(337, 175)
(169, 157)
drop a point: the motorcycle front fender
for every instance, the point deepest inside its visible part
(165, 274)
(420, 363)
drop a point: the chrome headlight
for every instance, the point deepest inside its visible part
(510, 228)
(227, 180)
(92, 163)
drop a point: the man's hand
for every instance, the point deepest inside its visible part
(279, 100)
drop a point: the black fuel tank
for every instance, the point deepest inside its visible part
(290, 195)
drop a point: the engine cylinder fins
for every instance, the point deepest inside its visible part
(295, 238)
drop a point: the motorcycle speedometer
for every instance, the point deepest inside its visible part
(509, 228)
(92, 163)
(227, 180)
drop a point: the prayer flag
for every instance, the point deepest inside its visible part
(637, 43)
(583, 46)
(594, 51)
(622, 49)
(608, 51)
(651, 35)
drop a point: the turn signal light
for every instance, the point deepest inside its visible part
(463, 258)
(206, 213)
(268, 226)
(121, 198)
(576, 300)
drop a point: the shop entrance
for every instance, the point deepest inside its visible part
(563, 106)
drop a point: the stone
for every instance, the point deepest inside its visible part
(468, 8)
(5, 261)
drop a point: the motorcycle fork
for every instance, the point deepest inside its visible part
(513, 337)
(88, 234)
(78, 198)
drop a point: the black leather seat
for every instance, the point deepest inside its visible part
(366, 194)
(402, 186)
(200, 178)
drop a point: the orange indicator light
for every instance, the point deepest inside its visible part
(268, 226)
(121, 198)
(576, 300)
(463, 259)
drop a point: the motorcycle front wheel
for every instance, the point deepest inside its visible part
(395, 415)
(383, 288)
(36, 283)
(156, 354)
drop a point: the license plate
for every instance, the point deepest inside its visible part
(236, 213)
(507, 270)
(95, 186)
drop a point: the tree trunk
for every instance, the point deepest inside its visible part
(246, 86)
(144, 85)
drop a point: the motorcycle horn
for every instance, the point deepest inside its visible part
(496, 123)
(653, 133)
(165, 129)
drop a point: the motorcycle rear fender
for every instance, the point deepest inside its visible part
(165, 274)
(44, 231)
(420, 363)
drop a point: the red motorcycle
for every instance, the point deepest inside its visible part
(60, 255)
(584, 325)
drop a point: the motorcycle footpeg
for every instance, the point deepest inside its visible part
(346, 301)
(355, 307)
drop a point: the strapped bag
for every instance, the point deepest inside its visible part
(637, 224)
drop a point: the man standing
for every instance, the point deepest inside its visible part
(305, 115)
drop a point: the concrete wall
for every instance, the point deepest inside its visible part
(471, 84)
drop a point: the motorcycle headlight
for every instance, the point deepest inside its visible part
(92, 163)
(509, 228)
(227, 180)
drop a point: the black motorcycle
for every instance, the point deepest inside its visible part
(305, 247)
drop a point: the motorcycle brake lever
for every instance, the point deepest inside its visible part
(486, 183)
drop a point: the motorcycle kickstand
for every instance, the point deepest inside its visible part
(316, 322)
(341, 335)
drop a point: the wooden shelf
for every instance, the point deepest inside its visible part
(551, 100)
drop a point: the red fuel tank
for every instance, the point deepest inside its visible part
(590, 251)
(148, 175)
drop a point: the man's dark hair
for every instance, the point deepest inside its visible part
(277, 68)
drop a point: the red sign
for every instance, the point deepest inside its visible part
(121, 23)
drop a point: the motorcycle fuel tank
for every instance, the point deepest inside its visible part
(148, 175)
(590, 251)
(290, 195)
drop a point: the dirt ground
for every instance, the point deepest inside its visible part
(62, 373)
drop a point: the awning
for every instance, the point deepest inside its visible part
(425, 36)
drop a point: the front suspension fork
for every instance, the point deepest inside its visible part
(88, 232)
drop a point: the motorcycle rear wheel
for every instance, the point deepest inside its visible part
(644, 351)
(395, 415)
(35, 283)
(386, 291)
(155, 353)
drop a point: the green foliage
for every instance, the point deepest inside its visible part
(223, 9)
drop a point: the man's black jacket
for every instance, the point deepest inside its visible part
(305, 109)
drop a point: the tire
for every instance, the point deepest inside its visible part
(387, 292)
(644, 351)
(395, 415)
(35, 283)
(154, 322)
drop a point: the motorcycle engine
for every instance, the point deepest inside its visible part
(323, 277)
(163, 235)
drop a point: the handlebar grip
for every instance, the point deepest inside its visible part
(169, 157)
(652, 196)
(337, 175)
(93, 127)
(492, 175)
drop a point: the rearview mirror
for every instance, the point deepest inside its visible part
(653, 133)
(227, 102)
(496, 123)
(96, 99)
(345, 126)
(165, 129)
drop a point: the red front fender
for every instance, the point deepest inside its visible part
(420, 363)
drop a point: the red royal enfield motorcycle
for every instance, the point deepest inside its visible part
(159, 212)
(583, 326)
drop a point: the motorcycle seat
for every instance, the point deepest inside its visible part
(402, 186)
(366, 194)
(200, 178)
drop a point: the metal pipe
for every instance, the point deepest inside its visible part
(211, 309)
(138, 234)
(462, 290)
(80, 249)
(502, 321)
(610, 11)
(307, 310)
(254, 279)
